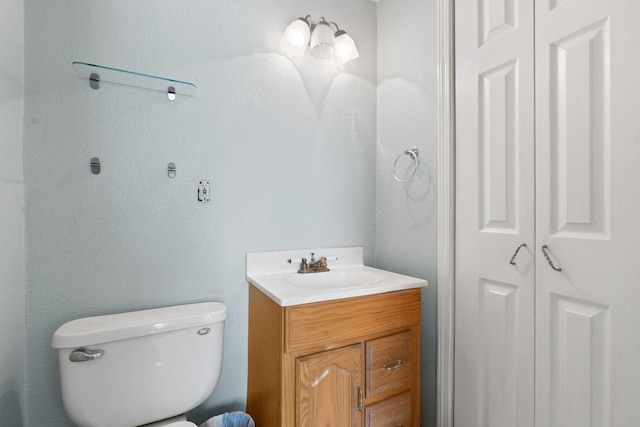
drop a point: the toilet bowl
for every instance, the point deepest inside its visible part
(142, 368)
(179, 421)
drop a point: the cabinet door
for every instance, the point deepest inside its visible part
(329, 388)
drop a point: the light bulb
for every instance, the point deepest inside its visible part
(322, 41)
(346, 50)
(296, 38)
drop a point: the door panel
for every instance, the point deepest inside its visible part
(588, 205)
(581, 353)
(580, 142)
(496, 18)
(494, 216)
(497, 397)
(498, 93)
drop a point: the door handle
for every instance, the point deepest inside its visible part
(399, 364)
(546, 256)
(512, 261)
(359, 390)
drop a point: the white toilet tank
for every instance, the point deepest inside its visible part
(130, 369)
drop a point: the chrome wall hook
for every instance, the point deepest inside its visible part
(95, 165)
(94, 81)
(171, 170)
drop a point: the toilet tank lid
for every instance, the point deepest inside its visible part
(115, 327)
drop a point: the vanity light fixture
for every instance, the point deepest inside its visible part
(322, 41)
(296, 38)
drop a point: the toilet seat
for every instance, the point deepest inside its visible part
(177, 424)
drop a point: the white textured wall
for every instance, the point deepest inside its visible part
(407, 117)
(12, 277)
(289, 149)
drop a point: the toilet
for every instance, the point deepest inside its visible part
(139, 368)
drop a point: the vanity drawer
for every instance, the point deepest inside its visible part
(388, 363)
(318, 324)
(392, 412)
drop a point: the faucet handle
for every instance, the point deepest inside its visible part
(301, 261)
(328, 258)
(322, 262)
(324, 259)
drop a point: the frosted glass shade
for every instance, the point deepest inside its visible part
(346, 50)
(296, 38)
(322, 40)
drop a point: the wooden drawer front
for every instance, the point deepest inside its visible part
(388, 363)
(392, 412)
(325, 323)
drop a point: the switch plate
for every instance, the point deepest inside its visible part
(203, 191)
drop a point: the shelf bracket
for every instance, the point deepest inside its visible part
(94, 81)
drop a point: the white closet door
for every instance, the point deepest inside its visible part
(588, 203)
(494, 324)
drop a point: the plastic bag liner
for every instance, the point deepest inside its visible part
(230, 419)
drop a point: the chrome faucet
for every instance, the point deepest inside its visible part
(311, 266)
(319, 265)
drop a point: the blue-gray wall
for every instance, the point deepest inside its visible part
(406, 221)
(297, 154)
(12, 277)
(289, 148)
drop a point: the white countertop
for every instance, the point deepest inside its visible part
(273, 275)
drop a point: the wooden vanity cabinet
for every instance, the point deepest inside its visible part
(348, 362)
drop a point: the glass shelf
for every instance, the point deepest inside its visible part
(132, 78)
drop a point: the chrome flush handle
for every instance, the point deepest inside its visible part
(85, 355)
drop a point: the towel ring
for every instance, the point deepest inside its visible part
(414, 153)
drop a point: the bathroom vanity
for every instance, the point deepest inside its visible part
(340, 361)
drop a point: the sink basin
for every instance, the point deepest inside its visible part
(273, 274)
(333, 280)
